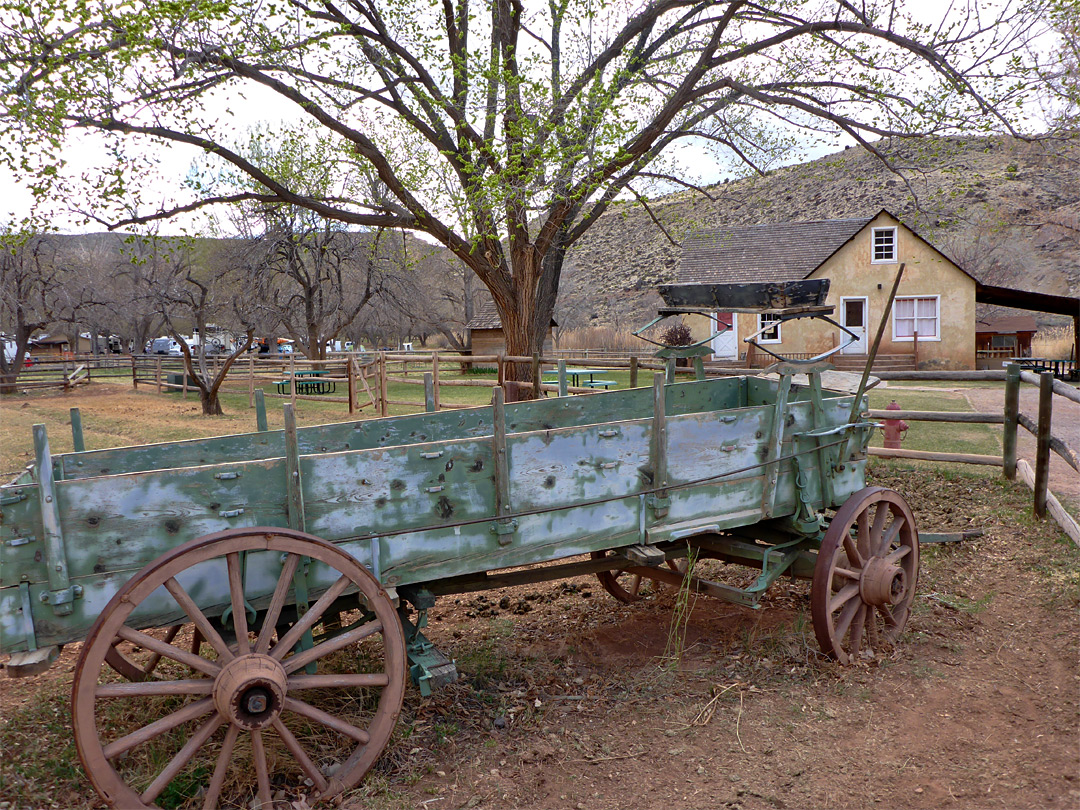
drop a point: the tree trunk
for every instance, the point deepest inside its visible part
(210, 404)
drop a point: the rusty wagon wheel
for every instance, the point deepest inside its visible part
(865, 576)
(626, 585)
(247, 706)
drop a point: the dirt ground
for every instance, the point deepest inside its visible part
(979, 709)
(566, 699)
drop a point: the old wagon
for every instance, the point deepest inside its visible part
(249, 603)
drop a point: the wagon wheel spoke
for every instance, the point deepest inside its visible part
(202, 624)
(899, 554)
(858, 625)
(302, 659)
(239, 606)
(862, 533)
(133, 668)
(852, 550)
(168, 650)
(262, 773)
(191, 711)
(199, 686)
(843, 596)
(325, 718)
(875, 531)
(880, 516)
(352, 681)
(843, 622)
(182, 757)
(309, 619)
(221, 768)
(277, 602)
(245, 689)
(300, 755)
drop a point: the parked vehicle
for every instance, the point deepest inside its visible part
(165, 345)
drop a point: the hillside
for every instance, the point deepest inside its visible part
(1005, 210)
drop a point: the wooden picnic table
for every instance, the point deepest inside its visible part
(574, 374)
(308, 382)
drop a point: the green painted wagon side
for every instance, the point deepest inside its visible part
(416, 499)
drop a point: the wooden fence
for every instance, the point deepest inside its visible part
(1037, 476)
(365, 377)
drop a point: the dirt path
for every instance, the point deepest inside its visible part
(1064, 480)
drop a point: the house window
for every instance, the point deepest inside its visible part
(770, 335)
(884, 245)
(916, 314)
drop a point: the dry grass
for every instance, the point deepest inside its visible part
(1055, 342)
(600, 338)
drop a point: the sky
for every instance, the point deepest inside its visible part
(86, 153)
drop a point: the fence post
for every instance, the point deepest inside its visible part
(435, 378)
(134, 373)
(671, 370)
(251, 382)
(157, 374)
(536, 375)
(633, 371)
(76, 431)
(383, 405)
(501, 371)
(350, 372)
(1042, 441)
(562, 378)
(260, 411)
(1012, 414)
(429, 392)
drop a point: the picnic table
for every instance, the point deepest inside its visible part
(308, 382)
(574, 374)
(1062, 369)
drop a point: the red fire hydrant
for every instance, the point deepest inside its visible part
(894, 427)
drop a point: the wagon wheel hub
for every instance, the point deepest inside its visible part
(882, 583)
(250, 691)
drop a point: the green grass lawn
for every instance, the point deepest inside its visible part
(941, 437)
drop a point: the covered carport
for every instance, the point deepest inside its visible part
(1035, 302)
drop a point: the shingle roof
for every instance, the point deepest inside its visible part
(486, 316)
(784, 252)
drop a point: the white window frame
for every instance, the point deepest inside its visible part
(916, 298)
(893, 259)
(761, 322)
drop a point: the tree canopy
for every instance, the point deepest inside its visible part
(502, 130)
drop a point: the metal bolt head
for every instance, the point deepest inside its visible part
(256, 704)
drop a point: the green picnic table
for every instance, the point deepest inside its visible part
(308, 382)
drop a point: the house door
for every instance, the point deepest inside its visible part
(726, 344)
(854, 314)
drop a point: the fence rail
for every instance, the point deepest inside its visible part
(1037, 476)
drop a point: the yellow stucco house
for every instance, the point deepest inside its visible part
(932, 322)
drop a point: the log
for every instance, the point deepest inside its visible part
(954, 376)
(940, 416)
(926, 455)
(1060, 388)
(1053, 505)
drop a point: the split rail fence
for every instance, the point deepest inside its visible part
(1036, 476)
(364, 378)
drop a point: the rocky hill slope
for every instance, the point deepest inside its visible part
(1007, 211)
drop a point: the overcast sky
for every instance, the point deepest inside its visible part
(86, 153)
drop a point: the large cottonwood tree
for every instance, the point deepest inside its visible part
(502, 130)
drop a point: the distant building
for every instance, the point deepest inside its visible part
(998, 339)
(933, 315)
(486, 332)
